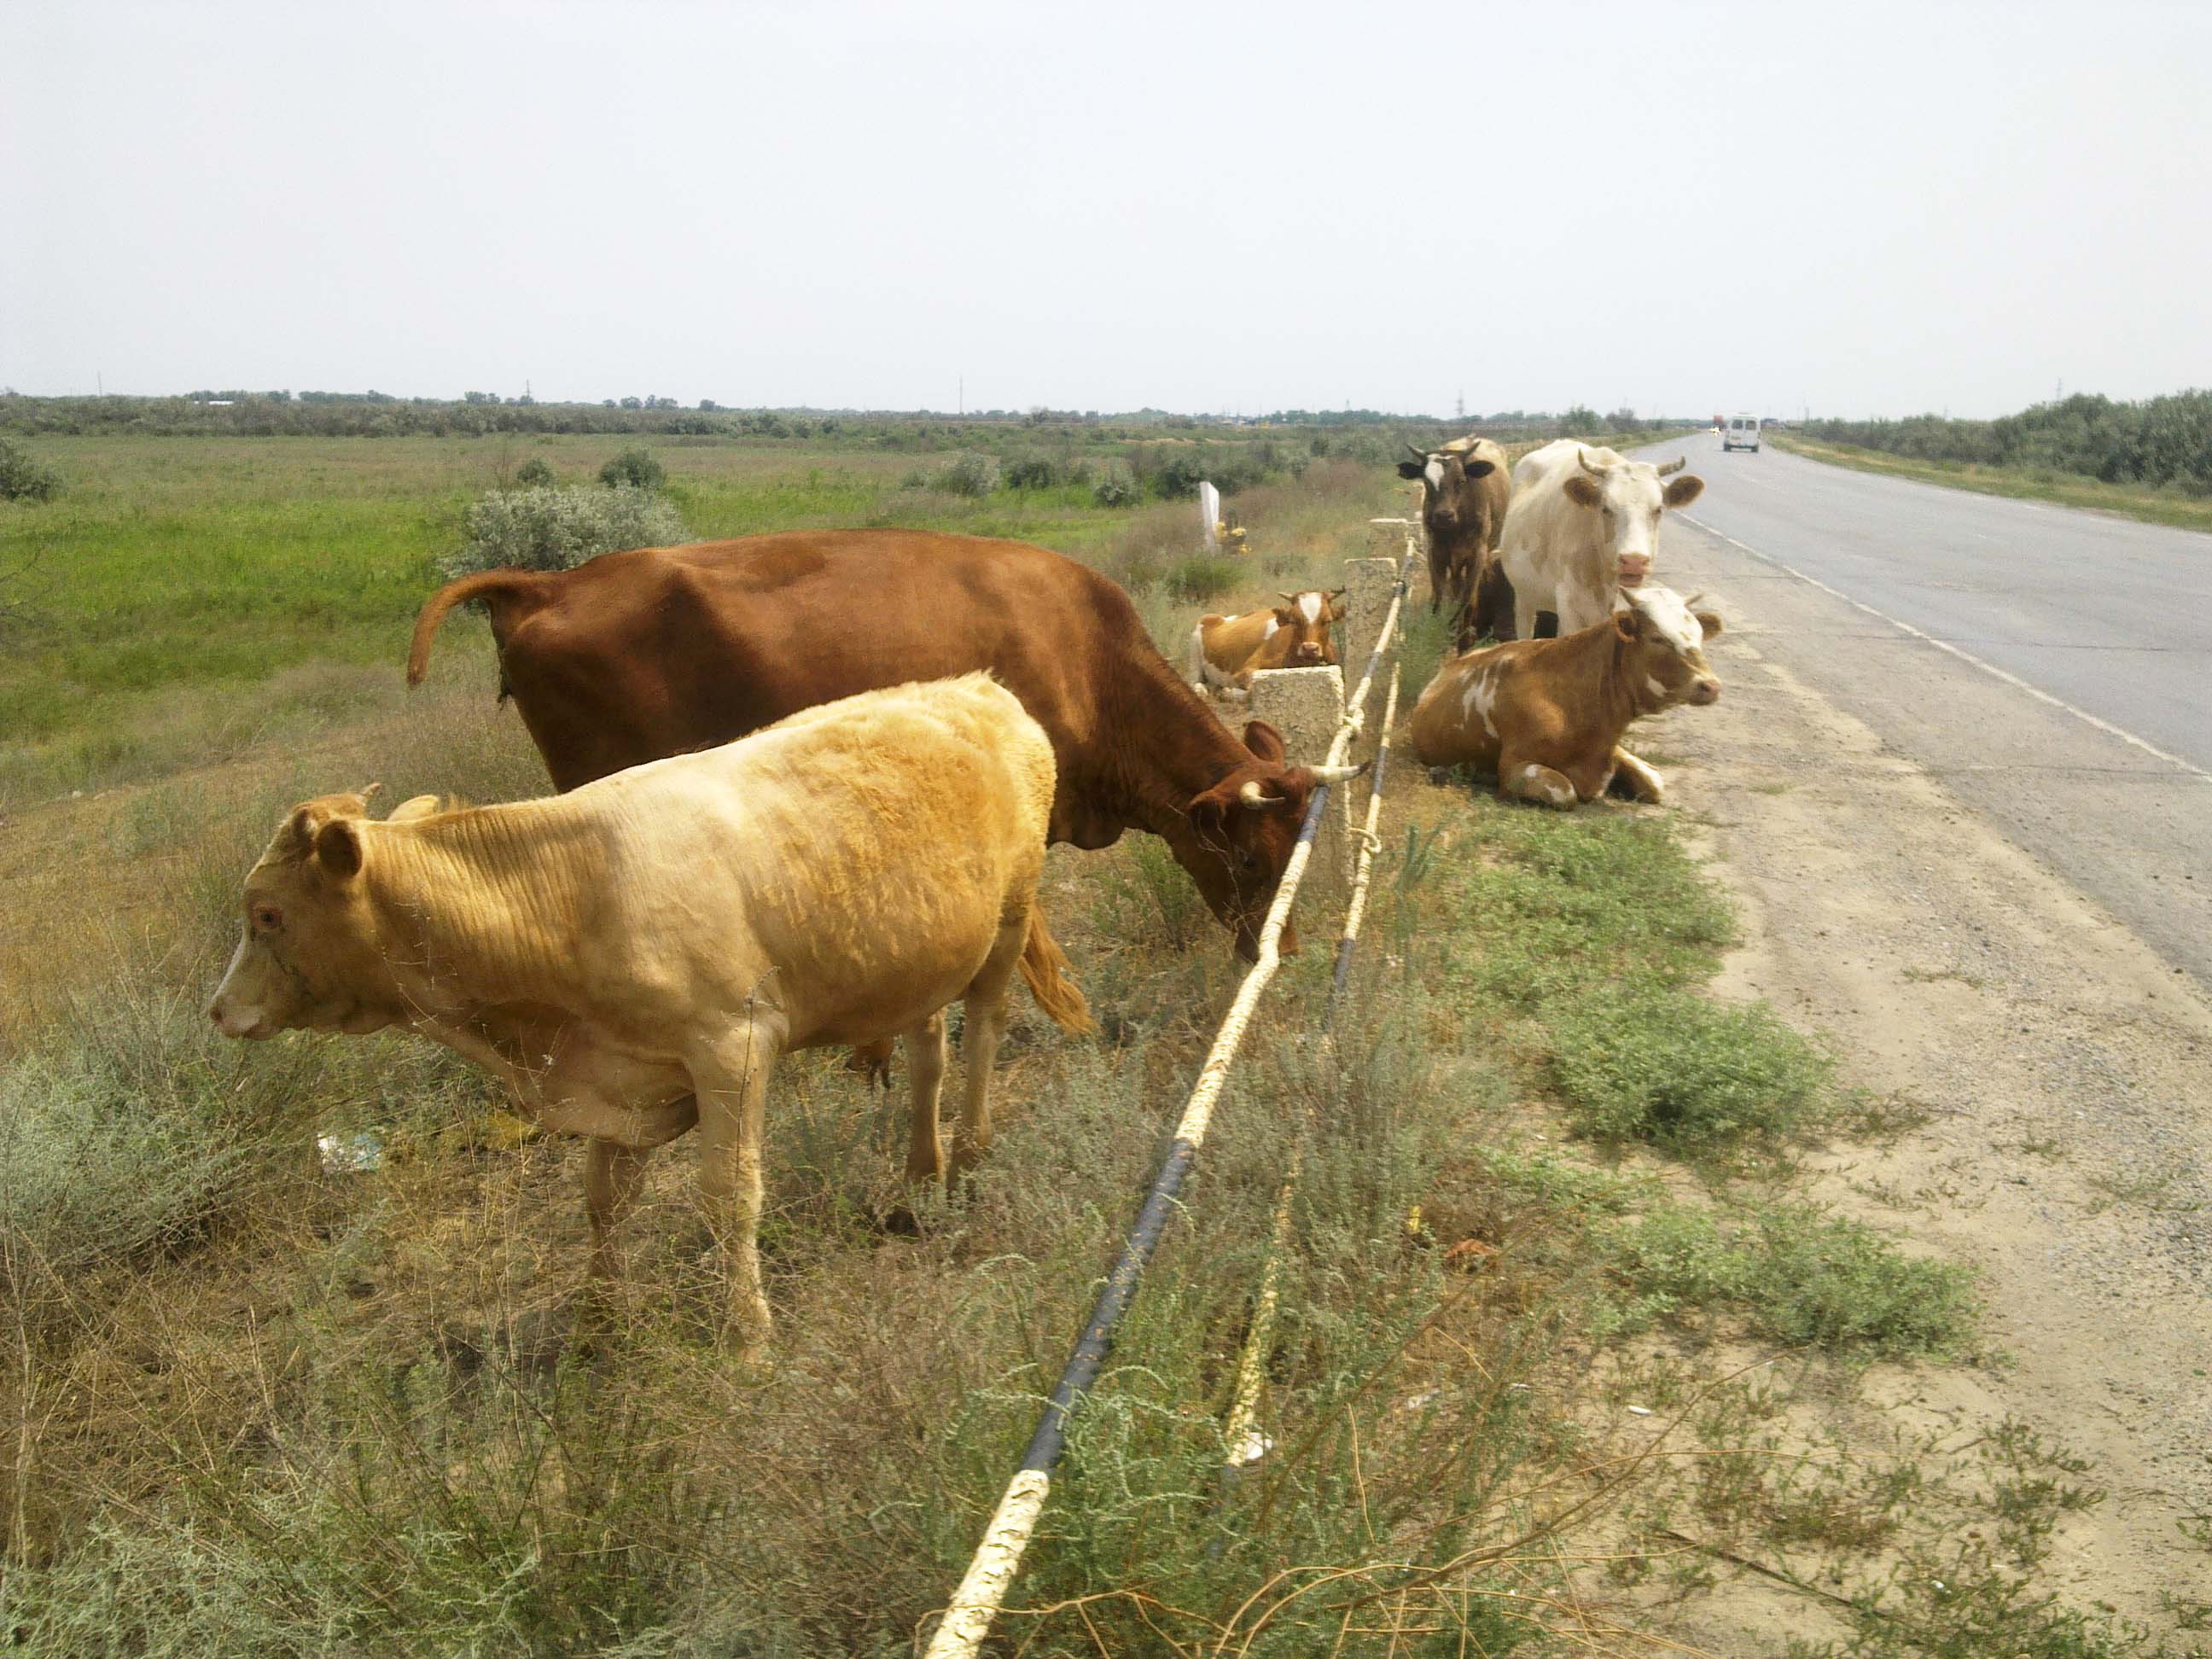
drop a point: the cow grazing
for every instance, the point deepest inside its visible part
(1546, 716)
(632, 656)
(1583, 528)
(1225, 651)
(630, 959)
(1465, 493)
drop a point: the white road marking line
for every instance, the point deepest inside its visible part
(1989, 668)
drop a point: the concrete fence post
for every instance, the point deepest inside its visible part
(1306, 705)
(1367, 587)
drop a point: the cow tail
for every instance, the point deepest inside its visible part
(492, 586)
(1045, 968)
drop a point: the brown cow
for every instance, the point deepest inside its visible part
(633, 656)
(1547, 716)
(1465, 491)
(1225, 651)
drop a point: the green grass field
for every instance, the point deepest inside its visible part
(176, 572)
(253, 1408)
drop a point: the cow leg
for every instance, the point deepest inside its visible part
(1493, 603)
(1524, 613)
(1646, 784)
(924, 1050)
(1533, 780)
(986, 1006)
(611, 1172)
(729, 1075)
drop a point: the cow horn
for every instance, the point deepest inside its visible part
(1292, 598)
(1338, 774)
(1675, 465)
(1251, 795)
(1419, 454)
(1583, 455)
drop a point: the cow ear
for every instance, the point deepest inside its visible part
(1409, 469)
(1265, 742)
(1209, 812)
(1684, 490)
(1337, 605)
(1479, 469)
(1628, 623)
(1583, 491)
(414, 806)
(337, 849)
(1708, 620)
(298, 829)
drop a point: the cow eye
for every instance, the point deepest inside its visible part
(267, 918)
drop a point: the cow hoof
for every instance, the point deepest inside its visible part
(747, 1341)
(1440, 776)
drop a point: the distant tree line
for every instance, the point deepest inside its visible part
(1359, 434)
(2164, 442)
(380, 415)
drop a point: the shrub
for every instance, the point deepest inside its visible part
(1032, 472)
(535, 473)
(1179, 475)
(1202, 576)
(636, 469)
(558, 529)
(971, 472)
(1666, 1066)
(1116, 486)
(1800, 1277)
(137, 1138)
(22, 479)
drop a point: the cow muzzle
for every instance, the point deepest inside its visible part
(1634, 567)
(235, 1022)
(1308, 655)
(1704, 692)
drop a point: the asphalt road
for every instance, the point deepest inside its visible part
(2053, 667)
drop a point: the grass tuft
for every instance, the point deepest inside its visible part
(1670, 1067)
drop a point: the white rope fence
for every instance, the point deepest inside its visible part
(1241, 1430)
(998, 1558)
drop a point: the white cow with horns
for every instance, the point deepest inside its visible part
(1583, 526)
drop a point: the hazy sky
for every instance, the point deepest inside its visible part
(1689, 207)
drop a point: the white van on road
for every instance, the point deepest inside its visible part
(1741, 433)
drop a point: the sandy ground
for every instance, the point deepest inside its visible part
(2065, 1069)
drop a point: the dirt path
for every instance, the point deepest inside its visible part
(2065, 1070)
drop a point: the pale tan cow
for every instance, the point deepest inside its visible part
(631, 958)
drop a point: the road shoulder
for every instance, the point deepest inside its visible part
(2061, 1067)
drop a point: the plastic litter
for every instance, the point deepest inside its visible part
(351, 1154)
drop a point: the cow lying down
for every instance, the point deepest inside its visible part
(630, 959)
(1547, 716)
(1225, 651)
